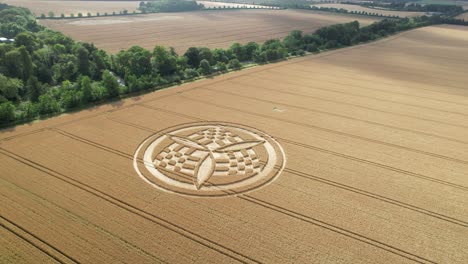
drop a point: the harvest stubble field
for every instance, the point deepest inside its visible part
(375, 142)
(372, 10)
(213, 29)
(39, 7)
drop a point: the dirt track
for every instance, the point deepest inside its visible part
(375, 139)
(214, 29)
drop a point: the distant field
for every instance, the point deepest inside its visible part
(211, 4)
(214, 29)
(39, 7)
(375, 150)
(463, 16)
(372, 10)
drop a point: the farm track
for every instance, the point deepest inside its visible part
(35, 241)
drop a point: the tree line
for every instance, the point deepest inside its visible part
(44, 72)
(403, 5)
(169, 6)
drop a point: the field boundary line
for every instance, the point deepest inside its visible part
(338, 115)
(342, 186)
(135, 210)
(345, 103)
(330, 131)
(11, 226)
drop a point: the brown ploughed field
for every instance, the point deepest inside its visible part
(66, 7)
(372, 10)
(375, 153)
(213, 29)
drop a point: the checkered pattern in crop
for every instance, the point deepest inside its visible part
(179, 158)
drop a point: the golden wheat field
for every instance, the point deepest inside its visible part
(384, 12)
(213, 29)
(353, 156)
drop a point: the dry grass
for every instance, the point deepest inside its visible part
(372, 10)
(375, 142)
(214, 29)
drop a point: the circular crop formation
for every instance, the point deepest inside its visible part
(209, 159)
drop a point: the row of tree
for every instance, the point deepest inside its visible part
(51, 14)
(345, 11)
(169, 6)
(44, 72)
(405, 5)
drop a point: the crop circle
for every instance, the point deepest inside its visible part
(209, 159)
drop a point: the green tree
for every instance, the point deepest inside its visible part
(34, 89)
(109, 81)
(10, 87)
(85, 86)
(26, 39)
(193, 57)
(235, 64)
(51, 14)
(221, 66)
(47, 104)
(135, 60)
(163, 61)
(7, 112)
(82, 55)
(249, 50)
(205, 68)
(205, 54)
(237, 50)
(26, 62)
(29, 110)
